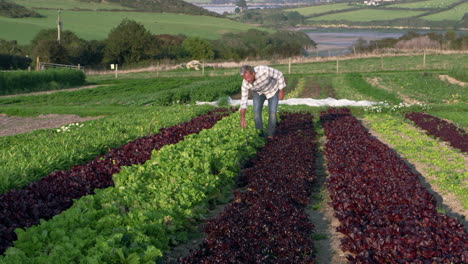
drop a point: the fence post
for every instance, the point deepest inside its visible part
(289, 66)
(38, 66)
(157, 70)
(116, 70)
(424, 60)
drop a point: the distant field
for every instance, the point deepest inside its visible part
(68, 4)
(455, 13)
(427, 4)
(97, 25)
(198, 1)
(209, 1)
(368, 15)
(311, 10)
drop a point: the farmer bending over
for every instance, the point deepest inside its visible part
(267, 84)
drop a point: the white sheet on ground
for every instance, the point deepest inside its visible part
(306, 101)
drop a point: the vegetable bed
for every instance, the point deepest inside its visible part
(267, 222)
(442, 129)
(55, 193)
(386, 215)
(150, 206)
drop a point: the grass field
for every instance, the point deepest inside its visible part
(368, 15)
(426, 4)
(312, 10)
(455, 13)
(69, 4)
(96, 25)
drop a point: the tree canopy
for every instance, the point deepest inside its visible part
(127, 43)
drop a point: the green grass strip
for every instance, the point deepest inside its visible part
(444, 166)
(424, 87)
(28, 157)
(361, 86)
(151, 205)
(156, 91)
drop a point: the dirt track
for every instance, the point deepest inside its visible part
(12, 125)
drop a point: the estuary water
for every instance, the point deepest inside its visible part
(229, 8)
(335, 42)
(340, 42)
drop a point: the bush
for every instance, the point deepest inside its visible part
(14, 62)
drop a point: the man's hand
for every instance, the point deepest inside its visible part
(242, 118)
(242, 123)
(281, 94)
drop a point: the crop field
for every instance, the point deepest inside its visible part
(368, 15)
(157, 178)
(96, 25)
(455, 13)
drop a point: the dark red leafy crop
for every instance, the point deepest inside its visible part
(55, 193)
(267, 223)
(442, 129)
(386, 215)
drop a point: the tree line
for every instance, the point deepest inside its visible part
(131, 43)
(9, 9)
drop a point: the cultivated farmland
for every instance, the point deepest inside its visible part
(144, 177)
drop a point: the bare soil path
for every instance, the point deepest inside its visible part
(452, 80)
(327, 239)
(12, 125)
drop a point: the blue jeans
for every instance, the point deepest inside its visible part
(258, 101)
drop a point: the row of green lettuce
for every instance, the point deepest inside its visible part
(444, 166)
(28, 157)
(140, 92)
(150, 206)
(16, 82)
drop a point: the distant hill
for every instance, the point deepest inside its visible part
(160, 6)
(9, 9)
